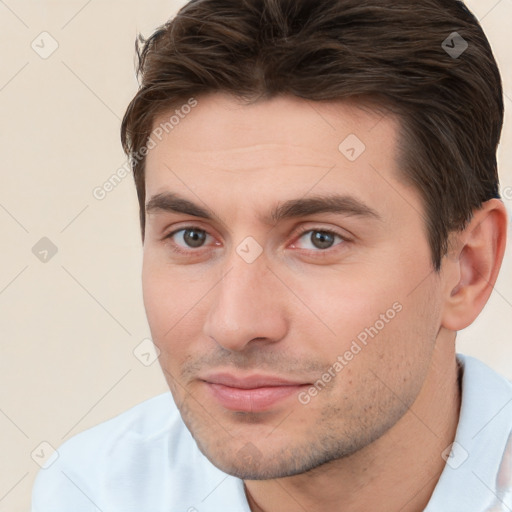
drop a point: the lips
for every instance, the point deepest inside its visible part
(253, 393)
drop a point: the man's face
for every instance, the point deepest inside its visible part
(295, 339)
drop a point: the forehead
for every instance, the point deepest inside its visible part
(273, 150)
(285, 119)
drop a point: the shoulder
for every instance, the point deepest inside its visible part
(142, 424)
(116, 459)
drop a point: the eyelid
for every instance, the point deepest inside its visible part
(185, 227)
(306, 229)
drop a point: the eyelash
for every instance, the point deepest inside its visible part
(301, 232)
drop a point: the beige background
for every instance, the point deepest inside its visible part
(69, 325)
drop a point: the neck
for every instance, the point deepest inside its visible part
(399, 471)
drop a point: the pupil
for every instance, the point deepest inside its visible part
(194, 238)
(322, 240)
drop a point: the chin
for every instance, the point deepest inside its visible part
(248, 462)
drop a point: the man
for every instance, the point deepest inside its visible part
(320, 215)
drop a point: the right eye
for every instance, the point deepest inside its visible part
(188, 239)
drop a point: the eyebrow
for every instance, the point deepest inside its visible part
(292, 208)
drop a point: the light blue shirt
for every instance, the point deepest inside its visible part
(145, 460)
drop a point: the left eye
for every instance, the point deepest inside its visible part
(320, 239)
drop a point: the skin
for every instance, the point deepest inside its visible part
(372, 437)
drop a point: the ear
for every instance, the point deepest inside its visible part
(472, 266)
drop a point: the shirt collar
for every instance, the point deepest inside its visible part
(478, 473)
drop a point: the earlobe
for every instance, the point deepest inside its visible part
(477, 264)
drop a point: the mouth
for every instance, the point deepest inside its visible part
(250, 393)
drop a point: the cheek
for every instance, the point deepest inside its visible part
(171, 302)
(347, 305)
(381, 349)
(373, 314)
(158, 299)
(172, 311)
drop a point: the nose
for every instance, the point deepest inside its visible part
(247, 306)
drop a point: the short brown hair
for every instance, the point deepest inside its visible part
(394, 52)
